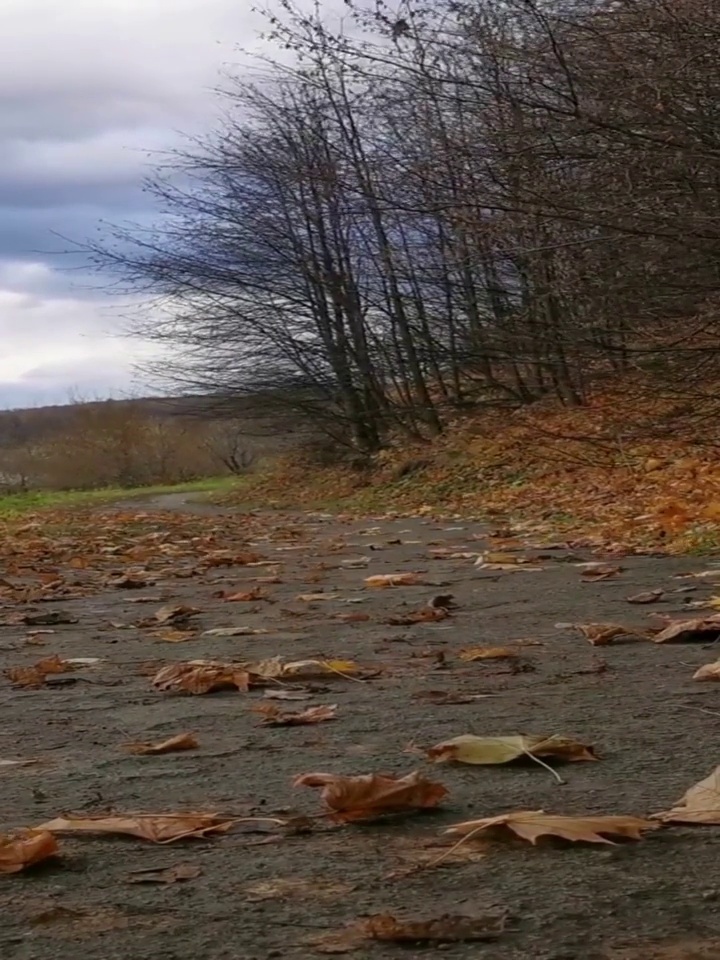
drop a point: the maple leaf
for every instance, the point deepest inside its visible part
(488, 653)
(449, 928)
(22, 850)
(158, 828)
(393, 580)
(372, 795)
(274, 717)
(688, 630)
(533, 824)
(700, 804)
(183, 741)
(201, 677)
(493, 750)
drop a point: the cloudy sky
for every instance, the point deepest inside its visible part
(89, 89)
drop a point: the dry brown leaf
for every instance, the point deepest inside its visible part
(701, 803)
(175, 874)
(603, 634)
(533, 824)
(315, 597)
(425, 615)
(171, 635)
(393, 580)
(198, 677)
(683, 631)
(449, 928)
(370, 796)
(710, 671)
(282, 694)
(158, 828)
(246, 596)
(22, 850)
(447, 697)
(34, 676)
(239, 631)
(488, 653)
(274, 717)
(183, 741)
(594, 572)
(171, 613)
(650, 596)
(492, 750)
(351, 617)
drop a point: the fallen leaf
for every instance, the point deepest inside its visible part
(393, 580)
(247, 596)
(351, 617)
(533, 824)
(425, 615)
(492, 750)
(446, 698)
(158, 828)
(170, 613)
(701, 803)
(315, 597)
(650, 596)
(496, 558)
(274, 668)
(449, 928)
(274, 717)
(183, 741)
(602, 634)
(18, 763)
(239, 631)
(443, 601)
(599, 571)
(688, 630)
(172, 635)
(287, 695)
(488, 653)
(34, 676)
(367, 797)
(710, 671)
(283, 888)
(178, 873)
(22, 850)
(200, 677)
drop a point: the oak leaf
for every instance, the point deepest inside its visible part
(201, 677)
(533, 824)
(183, 741)
(372, 795)
(21, 850)
(449, 928)
(158, 828)
(700, 804)
(274, 717)
(494, 750)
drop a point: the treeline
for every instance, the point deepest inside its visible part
(445, 205)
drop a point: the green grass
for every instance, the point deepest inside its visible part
(19, 503)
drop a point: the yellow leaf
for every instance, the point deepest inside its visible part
(533, 824)
(492, 750)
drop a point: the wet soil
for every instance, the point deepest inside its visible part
(263, 896)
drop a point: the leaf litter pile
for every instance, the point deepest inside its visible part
(376, 723)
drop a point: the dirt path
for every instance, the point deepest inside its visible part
(272, 894)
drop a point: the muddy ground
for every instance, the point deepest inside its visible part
(261, 896)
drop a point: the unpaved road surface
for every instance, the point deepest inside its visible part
(275, 894)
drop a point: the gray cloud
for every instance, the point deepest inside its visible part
(90, 94)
